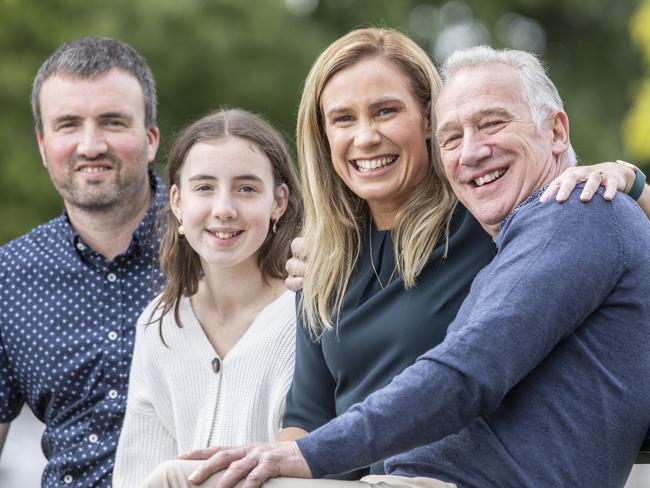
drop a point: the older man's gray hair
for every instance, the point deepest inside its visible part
(537, 88)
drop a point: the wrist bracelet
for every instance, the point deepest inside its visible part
(639, 180)
(639, 184)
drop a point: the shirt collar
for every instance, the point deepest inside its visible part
(527, 201)
(148, 230)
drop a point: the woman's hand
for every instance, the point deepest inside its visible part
(612, 176)
(295, 266)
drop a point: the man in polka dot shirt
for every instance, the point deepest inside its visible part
(72, 289)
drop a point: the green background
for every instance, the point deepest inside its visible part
(256, 54)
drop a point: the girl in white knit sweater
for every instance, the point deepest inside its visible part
(214, 353)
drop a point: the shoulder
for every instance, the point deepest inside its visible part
(158, 336)
(151, 316)
(37, 239)
(634, 230)
(595, 230)
(151, 312)
(279, 319)
(573, 215)
(283, 309)
(34, 250)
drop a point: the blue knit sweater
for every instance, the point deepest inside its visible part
(544, 377)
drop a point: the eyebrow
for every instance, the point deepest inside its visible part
(246, 177)
(488, 112)
(66, 118)
(502, 112)
(380, 101)
(107, 115)
(115, 115)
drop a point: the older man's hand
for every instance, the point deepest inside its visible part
(296, 266)
(254, 463)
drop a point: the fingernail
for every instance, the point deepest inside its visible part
(194, 476)
(561, 195)
(542, 198)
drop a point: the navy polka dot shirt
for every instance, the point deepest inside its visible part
(67, 326)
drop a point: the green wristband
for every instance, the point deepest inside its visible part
(639, 184)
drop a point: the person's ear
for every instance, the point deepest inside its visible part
(153, 141)
(41, 147)
(175, 202)
(560, 128)
(281, 201)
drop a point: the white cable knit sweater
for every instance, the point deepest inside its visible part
(177, 402)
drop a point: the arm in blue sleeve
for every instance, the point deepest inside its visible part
(555, 266)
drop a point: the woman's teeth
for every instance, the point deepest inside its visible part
(225, 235)
(367, 165)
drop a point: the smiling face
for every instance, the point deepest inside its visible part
(493, 154)
(227, 200)
(94, 142)
(377, 134)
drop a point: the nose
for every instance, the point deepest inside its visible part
(224, 207)
(366, 136)
(473, 149)
(92, 143)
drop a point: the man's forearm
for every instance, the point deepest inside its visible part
(290, 434)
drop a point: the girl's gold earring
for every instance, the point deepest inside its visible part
(275, 226)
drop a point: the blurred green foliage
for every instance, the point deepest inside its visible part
(637, 124)
(256, 54)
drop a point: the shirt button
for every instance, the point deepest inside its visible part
(216, 365)
(112, 394)
(111, 277)
(112, 335)
(92, 438)
(81, 247)
(67, 479)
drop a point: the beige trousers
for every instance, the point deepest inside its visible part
(173, 474)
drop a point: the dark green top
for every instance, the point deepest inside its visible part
(382, 331)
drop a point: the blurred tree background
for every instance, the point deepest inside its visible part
(637, 124)
(255, 54)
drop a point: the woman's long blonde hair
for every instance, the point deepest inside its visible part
(334, 216)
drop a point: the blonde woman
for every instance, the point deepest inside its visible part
(391, 255)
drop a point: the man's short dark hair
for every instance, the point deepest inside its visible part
(89, 57)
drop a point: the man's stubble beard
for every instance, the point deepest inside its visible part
(119, 194)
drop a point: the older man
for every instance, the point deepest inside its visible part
(72, 289)
(544, 377)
